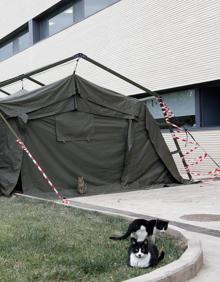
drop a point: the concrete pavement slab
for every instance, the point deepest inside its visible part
(171, 203)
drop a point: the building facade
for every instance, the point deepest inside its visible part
(172, 47)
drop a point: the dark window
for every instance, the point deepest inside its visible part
(209, 106)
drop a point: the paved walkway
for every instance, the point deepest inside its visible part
(172, 203)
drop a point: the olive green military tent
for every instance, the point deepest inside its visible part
(76, 128)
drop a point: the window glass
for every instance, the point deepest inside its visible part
(23, 41)
(6, 51)
(17, 43)
(54, 24)
(93, 6)
(181, 103)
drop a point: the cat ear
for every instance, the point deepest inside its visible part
(133, 241)
(145, 242)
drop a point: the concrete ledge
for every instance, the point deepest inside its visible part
(181, 270)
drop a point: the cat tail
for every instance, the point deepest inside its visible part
(161, 256)
(123, 237)
(119, 237)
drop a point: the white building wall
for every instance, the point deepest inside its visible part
(160, 44)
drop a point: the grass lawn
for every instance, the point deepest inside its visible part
(42, 241)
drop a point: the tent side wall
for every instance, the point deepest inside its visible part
(109, 139)
(144, 164)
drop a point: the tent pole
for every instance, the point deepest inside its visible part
(28, 74)
(5, 92)
(35, 81)
(148, 91)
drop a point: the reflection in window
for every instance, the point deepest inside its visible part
(60, 21)
(52, 25)
(6, 51)
(23, 41)
(181, 103)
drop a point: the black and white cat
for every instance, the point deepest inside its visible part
(160, 227)
(140, 229)
(143, 254)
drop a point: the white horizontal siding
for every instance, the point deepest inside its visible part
(210, 142)
(160, 44)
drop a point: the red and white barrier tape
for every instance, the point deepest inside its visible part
(198, 160)
(186, 153)
(24, 148)
(168, 115)
(212, 173)
(183, 139)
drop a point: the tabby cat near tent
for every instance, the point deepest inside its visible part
(81, 186)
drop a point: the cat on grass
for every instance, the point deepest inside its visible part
(141, 229)
(143, 254)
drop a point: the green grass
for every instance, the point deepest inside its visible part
(42, 241)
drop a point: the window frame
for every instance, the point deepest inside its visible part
(44, 19)
(14, 39)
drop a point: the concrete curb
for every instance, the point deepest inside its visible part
(181, 270)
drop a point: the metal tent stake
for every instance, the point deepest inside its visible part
(82, 56)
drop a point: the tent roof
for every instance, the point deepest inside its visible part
(18, 105)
